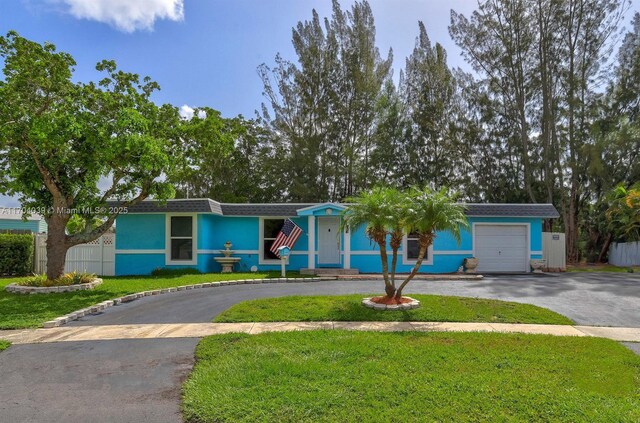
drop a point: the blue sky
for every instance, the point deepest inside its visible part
(205, 52)
(210, 56)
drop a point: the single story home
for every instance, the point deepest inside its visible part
(11, 221)
(191, 232)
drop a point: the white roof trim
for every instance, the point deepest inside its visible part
(320, 205)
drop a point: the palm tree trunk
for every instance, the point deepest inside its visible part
(394, 261)
(396, 242)
(388, 287)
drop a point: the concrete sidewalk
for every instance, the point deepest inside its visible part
(198, 330)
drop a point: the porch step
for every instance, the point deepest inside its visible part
(329, 272)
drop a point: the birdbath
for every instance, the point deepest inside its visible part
(227, 261)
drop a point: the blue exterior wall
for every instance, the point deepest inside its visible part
(140, 232)
(36, 226)
(146, 233)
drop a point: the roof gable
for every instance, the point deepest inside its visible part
(321, 209)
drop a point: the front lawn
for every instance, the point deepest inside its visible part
(601, 267)
(340, 376)
(19, 311)
(434, 308)
(4, 344)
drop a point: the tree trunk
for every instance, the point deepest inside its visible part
(385, 267)
(56, 247)
(605, 248)
(396, 242)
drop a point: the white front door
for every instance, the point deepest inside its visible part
(501, 248)
(329, 240)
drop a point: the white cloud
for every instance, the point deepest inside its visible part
(187, 112)
(126, 15)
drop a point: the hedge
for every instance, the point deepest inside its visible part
(16, 254)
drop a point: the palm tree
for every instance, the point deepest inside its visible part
(426, 212)
(380, 210)
(624, 213)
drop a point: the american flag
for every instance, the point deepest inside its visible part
(288, 236)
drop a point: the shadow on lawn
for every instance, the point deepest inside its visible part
(353, 311)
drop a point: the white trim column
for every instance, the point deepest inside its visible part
(311, 249)
(347, 249)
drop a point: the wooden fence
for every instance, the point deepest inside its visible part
(554, 252)
(94, 257)
(624, 254)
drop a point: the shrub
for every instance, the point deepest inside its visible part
(16, 254)
(35, 280)
(166, 271)
(73, 278)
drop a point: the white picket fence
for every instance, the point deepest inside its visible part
(554, 251)
(625, 254)
(97, 256)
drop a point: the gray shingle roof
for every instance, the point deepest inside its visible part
(547, 211)
(204, 205)
(195, 205)
(276, 209)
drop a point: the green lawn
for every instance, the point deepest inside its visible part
(4, 344)
(19, 311)
(340, 376)
(601, 268)
(348, 308)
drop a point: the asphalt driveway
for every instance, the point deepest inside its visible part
(587, 298)
(139, 380)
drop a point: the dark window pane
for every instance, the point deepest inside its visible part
(268, 255)
(181, 249)
(413, 235)
(272, 227)
(181, 226)
(413, 249)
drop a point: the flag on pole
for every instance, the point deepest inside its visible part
(288, 236)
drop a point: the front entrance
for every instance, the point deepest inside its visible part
(329, 241)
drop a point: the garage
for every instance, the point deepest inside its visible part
(501, 248)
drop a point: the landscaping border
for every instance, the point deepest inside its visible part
(26, 289)
(404, 306)
(97, 308)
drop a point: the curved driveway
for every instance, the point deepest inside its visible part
(139, 380)
(588, 299)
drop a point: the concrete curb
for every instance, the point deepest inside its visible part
(418, 277)
(97, 308)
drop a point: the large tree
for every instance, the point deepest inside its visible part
(541, 61)
(321, 109)
(428, 88)
(60, 141)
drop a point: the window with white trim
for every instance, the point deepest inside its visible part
(181, 238)
(270, 230)
(413, 247)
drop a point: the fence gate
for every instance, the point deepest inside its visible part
(554, 252)
(93, 257)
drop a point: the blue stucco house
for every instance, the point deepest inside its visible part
(11, 220)
(191, 232)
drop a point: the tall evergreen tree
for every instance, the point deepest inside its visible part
(428, 89)
(322, 109)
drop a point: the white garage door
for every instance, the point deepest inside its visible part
(501, 248)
